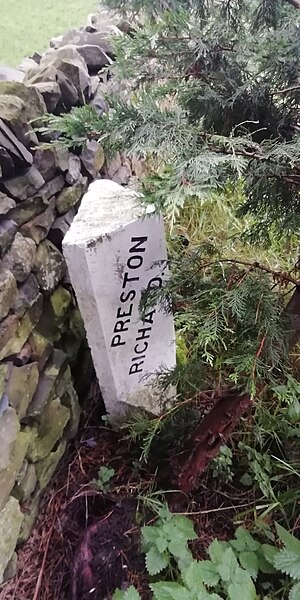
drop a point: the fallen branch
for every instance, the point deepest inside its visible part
(211, 433)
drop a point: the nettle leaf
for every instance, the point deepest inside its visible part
(165, 514)
(199, 573)
(161, 543)
(216, 551)
(290, 541)
(249, 561)
(270, 553)
(295, 592)
(130, 594)
(228, 565)
(149, 534)
(178, 548)
(186, 527)
(244, 540)
(289, 563)
(208, 572)
(265, 565)
(241, 586)
(155, 562)
(170, 590)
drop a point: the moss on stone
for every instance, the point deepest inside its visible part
(10, 524)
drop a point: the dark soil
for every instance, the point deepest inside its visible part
(85, 543)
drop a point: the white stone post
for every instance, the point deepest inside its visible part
(111, 253)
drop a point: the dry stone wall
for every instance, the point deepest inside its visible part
(41, 331)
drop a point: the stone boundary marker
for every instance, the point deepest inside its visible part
(111, 253)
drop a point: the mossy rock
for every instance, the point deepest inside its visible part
(11, 519)
(33, 100)
(22, 330)
(47, 386)
(8, 292)
(8, 476)
(21, 387)
(45, 469)
(70, 196)
(54, 420)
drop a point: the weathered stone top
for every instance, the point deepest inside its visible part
(105, 208)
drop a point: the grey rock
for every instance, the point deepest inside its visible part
(23, 356)
(26, 482)
(98, 103)
(51, 93)
(60, 227)
(10, 74)
(113, 165)
(37, 229)
(47, 386)
(9, 429)
(44, 161)
(82, 38)
(6, 204)
(122, 175)
(69, 398)
(49, 266)
(27, 64)
(137, 166)
(24, 327)
(28, 209)
(14, 114)
(27, 296)
(30, 514)
(70, 196)
(8, 229)
(11, 569)
(54, 419)
(8, 329)
(52, 187)
(34, 104)
(94, 57)
(50, 73)
(74, 168)
(11, 519)
(8, 292)
(14, 147)
(45, 468)
(7, 165)
(8, 475)
(92, 158)
(67, 61)
(19, 330)
(94, 84)
(4, 371)
(20, 257)
(55, 42)
(62, 159)
(26, 185)
(21, 386)
(40, 347)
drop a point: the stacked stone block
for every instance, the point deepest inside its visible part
(41, 330)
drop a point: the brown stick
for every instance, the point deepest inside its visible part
(210, 435)
(254, 265)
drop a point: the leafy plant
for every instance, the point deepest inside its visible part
(167, 539)
(222, 464)
(240, 568)
(261, 469)
(105, 475)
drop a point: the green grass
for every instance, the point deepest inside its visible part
(26, 26)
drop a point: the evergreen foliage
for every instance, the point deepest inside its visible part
(213, 105)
